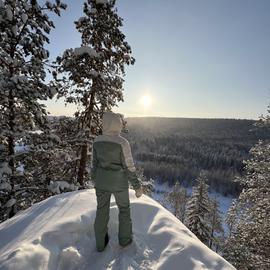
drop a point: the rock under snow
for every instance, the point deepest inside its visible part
(58, 234)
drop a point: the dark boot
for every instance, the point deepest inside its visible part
(106, 239)
(126, 244)
(105, 243)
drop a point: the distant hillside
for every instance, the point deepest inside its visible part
(198, 127)
(171, 149)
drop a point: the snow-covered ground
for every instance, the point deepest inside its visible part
(57, 234)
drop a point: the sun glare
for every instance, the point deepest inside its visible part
(146, 100)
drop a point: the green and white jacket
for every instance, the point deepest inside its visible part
(113, 167)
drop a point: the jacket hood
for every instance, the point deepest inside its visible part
(112, 124)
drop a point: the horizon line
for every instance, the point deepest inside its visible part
(174, 117)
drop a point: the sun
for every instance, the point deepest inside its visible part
(146, 101)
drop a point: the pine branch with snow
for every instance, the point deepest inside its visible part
(53, 157)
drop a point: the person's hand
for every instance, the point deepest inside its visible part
(138, 192)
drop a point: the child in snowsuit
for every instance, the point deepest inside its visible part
(112, 169)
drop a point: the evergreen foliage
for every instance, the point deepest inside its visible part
(53, 157)
(231, 217)
(177, 199)
(248, 246)
(147, 184)
(215, 223)
(24, 29)
(198, 210)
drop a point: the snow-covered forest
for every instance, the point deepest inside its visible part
(170, 149)
(42, 155)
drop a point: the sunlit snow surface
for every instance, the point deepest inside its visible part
(58, 234)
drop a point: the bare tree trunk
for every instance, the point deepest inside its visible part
(11, 142)
(212, 231)
(83, 160)
(11, 148)
(82, 165)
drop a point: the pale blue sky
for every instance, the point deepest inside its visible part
(195, 58)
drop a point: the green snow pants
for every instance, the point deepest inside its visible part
(102, 217)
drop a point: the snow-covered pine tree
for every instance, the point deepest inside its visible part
(52, 157)
(177, 199)
(232, 248)
(66, 129)
(198, 209)
(248, 246)
(231, 217)
(95, 70)
(264, 121)
(24, 29)
(147, 184)
(215, 223)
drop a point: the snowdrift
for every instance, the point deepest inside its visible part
(57, 234)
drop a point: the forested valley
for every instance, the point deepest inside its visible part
(178, 149)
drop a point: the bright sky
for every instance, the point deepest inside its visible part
(194, 58)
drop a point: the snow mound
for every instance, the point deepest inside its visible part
(58, 234)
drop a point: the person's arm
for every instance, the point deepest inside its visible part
(128, 164)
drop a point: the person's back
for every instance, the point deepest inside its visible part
(112, 169)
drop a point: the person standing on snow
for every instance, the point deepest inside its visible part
(112, 169)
